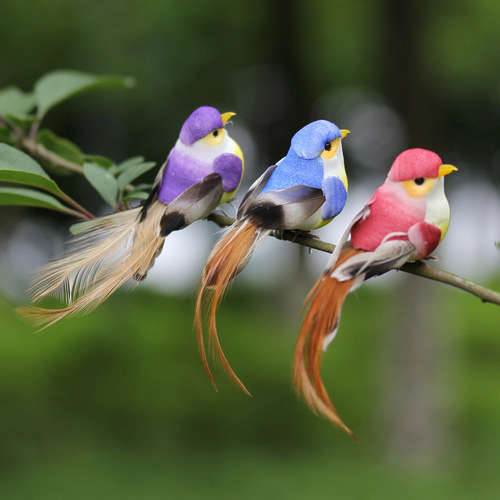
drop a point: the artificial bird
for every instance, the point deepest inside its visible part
(403, 221)
(304, 190)
(202, 171)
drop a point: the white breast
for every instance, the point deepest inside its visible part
(437, 208)
(335, 167)
(205, 153)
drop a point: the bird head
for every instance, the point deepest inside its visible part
(204, 137)
(417, 179)
(419, 171)
(321, 140)
(205, 123)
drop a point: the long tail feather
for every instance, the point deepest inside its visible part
(229, 256)
(321, 320)
(98, 262)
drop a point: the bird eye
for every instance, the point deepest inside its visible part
(328, 146)
(419, 181)
(215, 133)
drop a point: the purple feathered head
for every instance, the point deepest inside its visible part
(201, 122)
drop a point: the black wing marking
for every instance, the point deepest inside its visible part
(285, 209)
(196, 202)
(254, 191)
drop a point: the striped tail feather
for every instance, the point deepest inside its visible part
(98, 261)
(324, 302)
(229, 257)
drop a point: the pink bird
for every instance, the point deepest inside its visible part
(403, 221)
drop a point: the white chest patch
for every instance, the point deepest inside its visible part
(205, 153)
(335, 167)
(437, 208)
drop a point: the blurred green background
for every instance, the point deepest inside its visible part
(117, 405)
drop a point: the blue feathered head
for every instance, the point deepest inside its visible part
(309, 141)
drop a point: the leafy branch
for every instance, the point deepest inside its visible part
(417, 268)
(21, 118)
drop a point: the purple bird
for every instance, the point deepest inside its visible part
(202, 171)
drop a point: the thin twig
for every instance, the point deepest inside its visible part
(417, 268)
(34, 130)
(422, 269)
(83, 212)
(36, 149)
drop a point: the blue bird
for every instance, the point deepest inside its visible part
(304, 191)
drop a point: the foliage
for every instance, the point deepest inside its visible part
(21, 117)
(120, 397)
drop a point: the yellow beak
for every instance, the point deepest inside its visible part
(344, 132)
(226, 117)
(445, 170)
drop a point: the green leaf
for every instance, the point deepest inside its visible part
(144, 186)
(61, 147)
(126, 177)
(18, 167)
(85, 225)
(136, 195)
(5, 135)
(14, 101)
(102, 161)
(60, 85)
(130, 162)
(31, 198)
(102, 181)
(24, 122)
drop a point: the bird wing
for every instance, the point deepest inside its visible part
(390, 254)
(154, 190)
(364, 212)
(254, 191)
(194, 203)
(230, 167)
(285, 209)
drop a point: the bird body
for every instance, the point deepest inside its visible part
(404, 220)
(303, 191)
(203, 170)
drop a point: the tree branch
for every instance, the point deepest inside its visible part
(422, 269)
(37, 150)
(418, 268)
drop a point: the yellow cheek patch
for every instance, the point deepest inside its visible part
(328, 154)
(214, 138)
(418, 190)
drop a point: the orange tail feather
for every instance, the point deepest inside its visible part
(325, 303)
(228, 258)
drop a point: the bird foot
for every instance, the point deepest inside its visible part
(280, 234)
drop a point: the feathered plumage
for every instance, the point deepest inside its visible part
(203, 170)
(404, 220)
(305, 190)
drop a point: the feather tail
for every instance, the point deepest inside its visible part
(98, 261)
(229, 256)
(321, 320)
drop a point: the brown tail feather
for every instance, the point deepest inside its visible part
(227, 259)
(38, 316)
(325, 303)
(98, 262)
